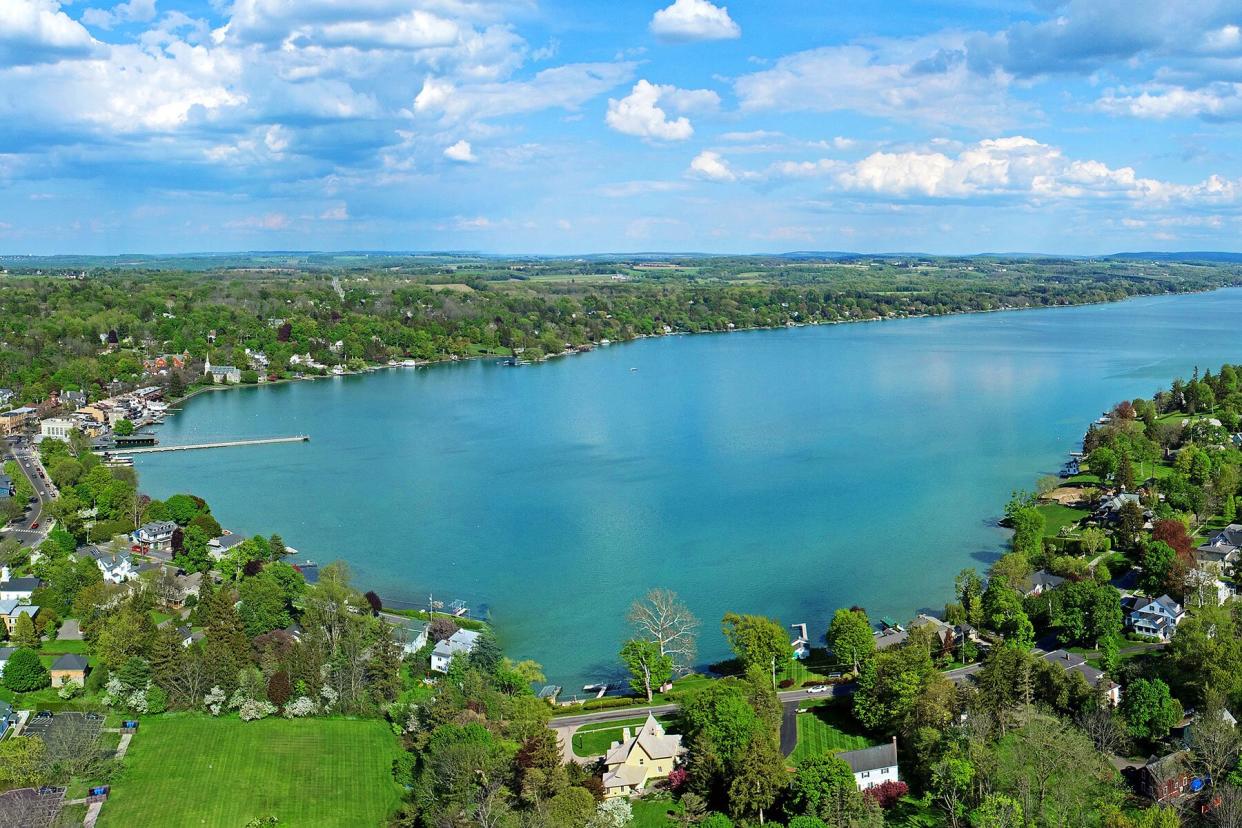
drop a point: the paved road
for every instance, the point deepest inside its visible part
(566, 726)
(44, 490)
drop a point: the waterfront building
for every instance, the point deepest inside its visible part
(12, 421)
(56, 428)
(638, 759)
(462, 641)
(227, 374)
(154, 537)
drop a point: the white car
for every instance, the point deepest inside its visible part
(819, 688)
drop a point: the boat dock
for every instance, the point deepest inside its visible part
(264, 441)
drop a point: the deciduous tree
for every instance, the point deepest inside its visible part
(665, 619)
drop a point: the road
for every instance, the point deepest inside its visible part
(44, 490)
(566, 726)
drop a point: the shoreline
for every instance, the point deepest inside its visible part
(450, 359)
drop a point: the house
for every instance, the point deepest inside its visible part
(189, 636)
(1074, 663)
(1039, 582)
(1108, 510)
(5, 652)
(1157, 617)
(11, 611)
(1221, 550)
(947, 636)
(462, 641)
(56, 428)
(1165, 777)
(874, 765)
(410, 634)
(117, 567)
(640, 758)
(890, 637)
(19, 589)
(228, 374)
(69, 667)
(1205, 588)
(218, 548)
(73, 399)
(12, 421)
(7, 487)
(8, 717)
(155, 536)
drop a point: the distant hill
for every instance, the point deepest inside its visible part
(1181, 256)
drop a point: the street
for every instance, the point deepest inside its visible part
(21, 529)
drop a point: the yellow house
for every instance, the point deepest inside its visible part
(633, 762)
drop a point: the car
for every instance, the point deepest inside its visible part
(34, 525)
(32, 500)
(43, 714)
(819, 688)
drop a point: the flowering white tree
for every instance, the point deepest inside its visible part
(612, 813)
(300, 707)
(214, 700)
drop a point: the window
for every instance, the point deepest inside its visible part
(866, 774)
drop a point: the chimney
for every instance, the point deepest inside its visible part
(625, 734)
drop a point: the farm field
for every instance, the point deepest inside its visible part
(195, 770)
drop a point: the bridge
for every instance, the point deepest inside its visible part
(264, 441)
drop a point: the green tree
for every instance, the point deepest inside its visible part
(123, 428)
(998, 811)
(823, 786)
(264, 606)
(1125, 472)
(649, 669)
(1004, 613)
(25, 672)
(183, 508)
(758, 777)
(1149, 708)
(757, 640)
(1158, 562)
(23, 762)
(951, 781)
(850, 637)
(1028, 532)
(24, 633)
(1092, 541)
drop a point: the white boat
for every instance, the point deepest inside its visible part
(409, 363)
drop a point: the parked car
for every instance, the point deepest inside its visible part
(34, 525)
(819, 688)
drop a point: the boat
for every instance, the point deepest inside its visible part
(409, 363)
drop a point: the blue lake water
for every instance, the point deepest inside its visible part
(780, 472)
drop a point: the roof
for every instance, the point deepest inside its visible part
(459, 642)
(158, 527)
(14, 608)
(5, 652)
(184, 632)
(872, 758)
(108, 558)
(228, 541)
(1042, 579)
(70, 661)
(651, 738)
(20, 585)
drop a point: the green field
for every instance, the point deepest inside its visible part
(827, 728)
(595, 739)
(1057, 517)
(189, 769)
(654, 813)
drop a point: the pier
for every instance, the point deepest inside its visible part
(264, 441)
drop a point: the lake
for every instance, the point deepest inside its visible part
(782, 472)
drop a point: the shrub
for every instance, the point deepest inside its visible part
(787, 682)
(157, 699)
(252, 709)
(69, 689)
(278, 688)
(886, 794)
(214, 700)
(300, 707)
(25, 672)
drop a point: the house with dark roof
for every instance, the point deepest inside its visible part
(117, 567)
(1039, 582)
(219, 547)
(1222, 549)
(189, 636)
(1165, 777)
(19, 589)
(1097, 679)
(1156, 617)
(155, 536)
(69, 667)
(874, 765)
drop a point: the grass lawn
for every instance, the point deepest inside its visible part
(653, 813)
(595, 739)
(1057, 516)
(827, 728)
(190, 769)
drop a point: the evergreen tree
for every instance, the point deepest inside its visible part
(24, 634)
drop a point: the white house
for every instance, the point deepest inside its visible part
(117, 567)
(874, 765)
(1157, 617)
(462, 641)
(219, 547)
(5, 652)
(56, 428)
(411, 635)
(154, 537)
(18, 589)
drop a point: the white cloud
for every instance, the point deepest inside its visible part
(37, 31)
(627, 189)
(267, 221)
(689, 20)
(1218, 101)
(338, 213)
(562, 87)
(887, 82)
(711, 166)
(639, 113)
(461, 151)
(133, 11)
(415, 30)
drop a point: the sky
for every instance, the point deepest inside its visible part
(559, 127)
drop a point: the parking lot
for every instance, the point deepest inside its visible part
(65, 732)
(30, 808)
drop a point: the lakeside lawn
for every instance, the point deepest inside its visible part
(191, 769)
(1058, 516)
(827, 727)
(654, 813)
(595, 739)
